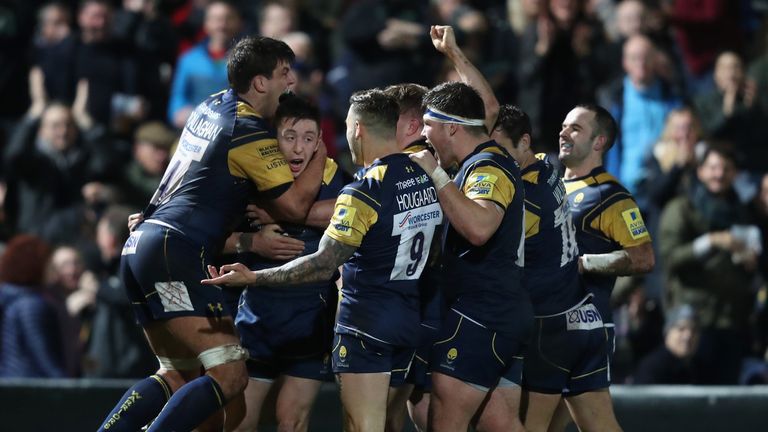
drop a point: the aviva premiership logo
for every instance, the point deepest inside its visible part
(343, 219)
(482, 185)
(635, 223)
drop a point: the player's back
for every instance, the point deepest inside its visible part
(224, 149)
(391, 214)
(551, 252)
(484, 282)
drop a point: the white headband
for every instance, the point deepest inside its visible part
(439, 116)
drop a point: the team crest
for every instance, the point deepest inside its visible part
(452, 354)
(578, 198)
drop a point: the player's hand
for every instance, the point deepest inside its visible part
(443, 39)
(272, 243)
(425, 160)
(134, 220)
(258, 216)
(230, 274)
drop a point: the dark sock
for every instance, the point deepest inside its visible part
(190, 406)
(138, 406)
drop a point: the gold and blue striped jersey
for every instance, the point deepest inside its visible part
(225, 149)
(551, 252)
(484, 282)
(607, 219)
(390, 215)
(331, 185)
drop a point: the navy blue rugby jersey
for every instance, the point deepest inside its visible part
(333, 181)
(390, 215)
(225, 149)
(484, 283)
(607, 219)
(551, 252)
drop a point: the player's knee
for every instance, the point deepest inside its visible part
(178, 371)
(226, 364)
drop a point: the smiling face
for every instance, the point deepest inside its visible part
(298, 140)
(576, 137)
(717, 173)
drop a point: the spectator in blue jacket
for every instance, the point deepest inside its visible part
(202, 70)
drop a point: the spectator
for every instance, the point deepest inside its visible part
(202, 71)
(702, 29)
(106, 67)
(47, 163)
(640, 101)
(670, 168)
(730, 112)
(74, 290)
(32, 345)
(151, 37)
(152, 145)
(673, 362)
(710, 257)
(116, 347)
(52, 47)
(277, 19)
(561, 39)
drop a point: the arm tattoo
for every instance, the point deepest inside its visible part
(317, 267)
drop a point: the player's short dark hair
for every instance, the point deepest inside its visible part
(604, 124)
(458, 99)
(255, 55)
(377, 110)
(409, 96)
(297, 108)
(514, 122)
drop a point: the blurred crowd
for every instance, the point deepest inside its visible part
(94, 93)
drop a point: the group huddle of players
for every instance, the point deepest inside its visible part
(471, 272)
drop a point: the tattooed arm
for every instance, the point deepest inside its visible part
(317, 267)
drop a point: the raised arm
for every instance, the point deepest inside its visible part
(444, 41)
(317, 267)
(625, 262)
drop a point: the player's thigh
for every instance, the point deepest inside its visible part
(295, 398)
(453, 401)
(541, 408)
(593, 411)
(247, 419)
(364, 399)
(499, 411)
(397, 406)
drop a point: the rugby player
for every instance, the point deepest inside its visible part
(490, 316)
(288, 332)
(610, 232)
(225, 149)
(381, 230)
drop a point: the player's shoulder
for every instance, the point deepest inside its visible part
(491, 154)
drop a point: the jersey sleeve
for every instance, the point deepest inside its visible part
(333, 181)
(353, 216)
(623, 223)
(260, 161)
(491, 183)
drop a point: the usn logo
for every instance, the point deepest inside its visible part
(584, 318)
